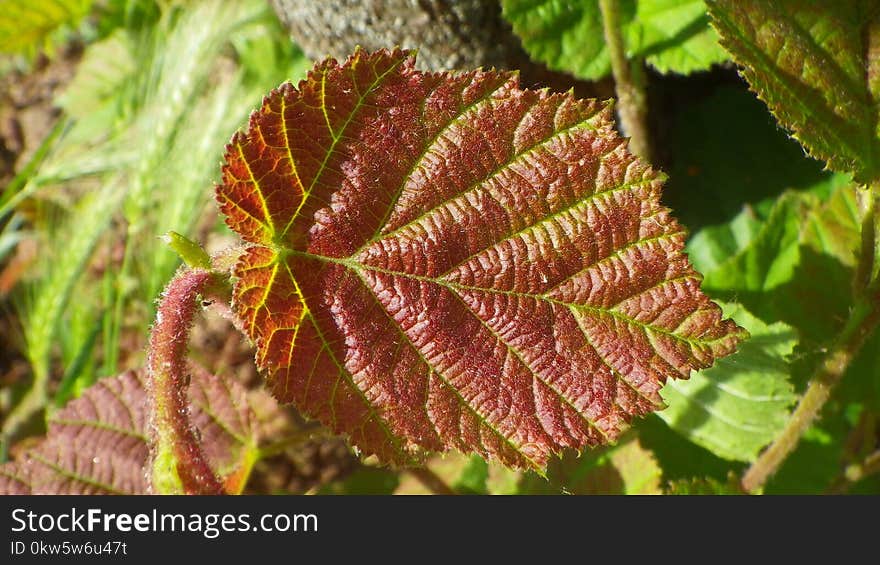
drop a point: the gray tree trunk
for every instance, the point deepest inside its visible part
(449, 35)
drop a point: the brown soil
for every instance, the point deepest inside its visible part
(27, 112)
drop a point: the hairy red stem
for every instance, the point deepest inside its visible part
(179, 465)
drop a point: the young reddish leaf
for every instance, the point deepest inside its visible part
(817, 66)
(447, 261)
(13, 479)
(221, 411)
(98, 443)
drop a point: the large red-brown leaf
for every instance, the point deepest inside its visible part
(447, 261)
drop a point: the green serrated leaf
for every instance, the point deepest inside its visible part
(673, 35)
(815, 300)
(638, 468)
(795, 267)
(816, 66)
(567, 36)
(680, 458)
(738, 406)
(626, 468)
(768, 259)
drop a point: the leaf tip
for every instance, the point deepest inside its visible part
(191, 252)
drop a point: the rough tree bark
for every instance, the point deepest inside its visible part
(449, 34)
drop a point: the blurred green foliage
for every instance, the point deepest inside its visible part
(158, 91)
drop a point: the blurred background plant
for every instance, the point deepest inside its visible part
(133, 149)
(28, 27)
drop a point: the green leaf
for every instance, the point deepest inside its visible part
(638, 468)
(817, 66)
(795, 267)
(626, 468)
(713, 247)
(473, 477)
(567, 36)
(833, 228)
(738, 406)
(465, 474)
(447, 261)
(25, 25)
(769, 258)
(680, 458)
(673, 35)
